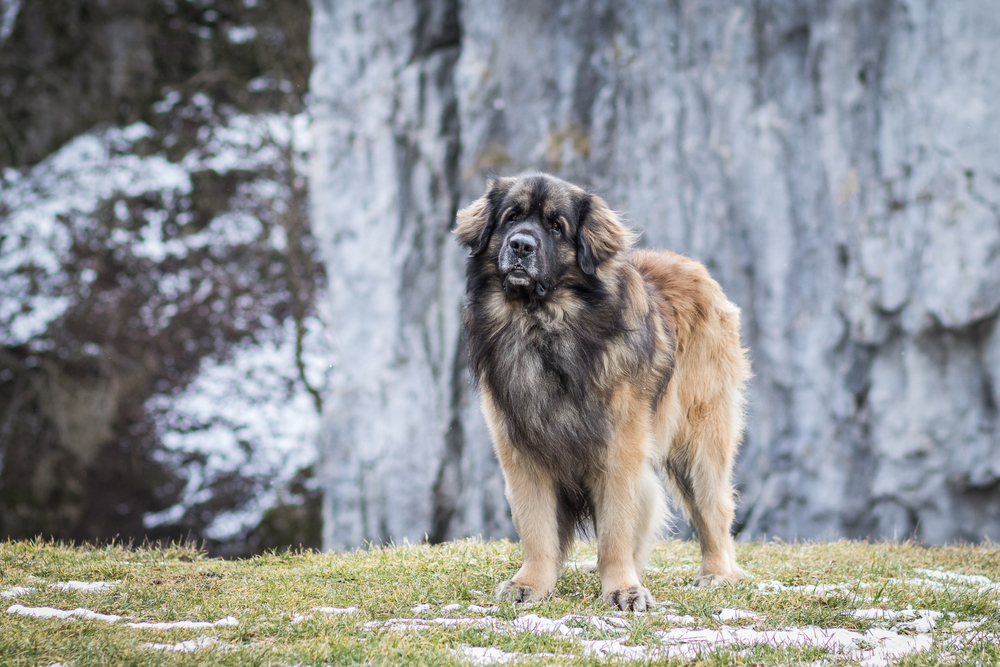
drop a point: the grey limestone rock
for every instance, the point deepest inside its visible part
(831, 162)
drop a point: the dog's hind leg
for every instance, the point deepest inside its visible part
(701, 474)
(650, 517)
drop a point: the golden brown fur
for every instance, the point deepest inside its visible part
(600, 371)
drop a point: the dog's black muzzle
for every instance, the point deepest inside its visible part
(522, 261)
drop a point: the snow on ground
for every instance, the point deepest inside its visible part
(86, 586)
(188, 646)
(676, 619)
(934, 579)
(976, 579)
(735, 614)
(336, 610)
(17, 590)
(185, 625)
(50, 612)
(942, 580)
(876, 647)
(485, 655)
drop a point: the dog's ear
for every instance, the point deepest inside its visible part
(600, 236)
(476, 221)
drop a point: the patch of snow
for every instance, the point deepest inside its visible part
(17, 590)
(251, 142)
(965, 626)
(727, 614)
(875, 648)
(886, 644)
(257, 397)
(487, 622)
(185, 625)
(605, 625)
(889, 646)
(944, 581)
(336, 610)
(241, 34)
(540, 625)
(409, 624)
(972, 638)
(971, 579)
(168, 102)
(398, 624)
(772, 587)
(451, 607)
(88, 586)
(51, 203)
(605, 648)
(262, 83)
(686, 619)
(188, 646)
(882, 614)
(768, 587)
(926, 619)
(922, 625)
(480, 609)
(484, 655)
(50, 612)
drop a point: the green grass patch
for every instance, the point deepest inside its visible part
(275, 597)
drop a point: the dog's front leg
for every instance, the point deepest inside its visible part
(531, 494)
(629, 509)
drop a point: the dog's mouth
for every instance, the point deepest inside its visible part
(519, 279)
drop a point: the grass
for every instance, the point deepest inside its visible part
(274, 598)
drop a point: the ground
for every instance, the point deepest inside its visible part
(817, 603)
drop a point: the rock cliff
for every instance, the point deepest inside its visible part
(831, 162)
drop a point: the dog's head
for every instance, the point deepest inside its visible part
(536, 230)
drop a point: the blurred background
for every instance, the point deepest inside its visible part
(230, 300)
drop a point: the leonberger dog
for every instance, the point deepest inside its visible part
(601, 370)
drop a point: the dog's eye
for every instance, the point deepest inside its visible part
(554, 226)
(513, 217)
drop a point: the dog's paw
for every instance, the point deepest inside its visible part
(511, 591)
(634, 598)
(712, 580)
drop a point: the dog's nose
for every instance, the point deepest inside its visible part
(523, 244)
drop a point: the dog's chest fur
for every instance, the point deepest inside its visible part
(547, 373)
(540, 378)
